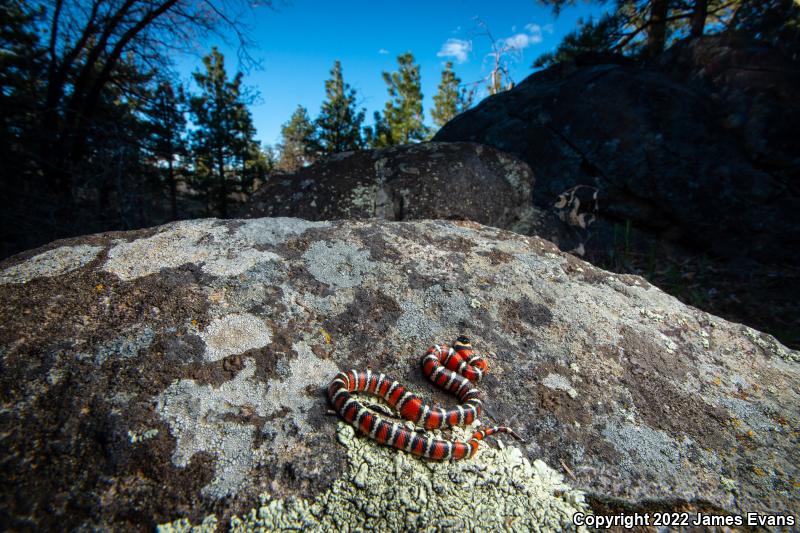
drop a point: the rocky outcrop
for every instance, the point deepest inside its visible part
(755, 89)
(456, 181)
(176, 376)
(700, 149)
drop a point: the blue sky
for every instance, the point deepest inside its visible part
(297, 43)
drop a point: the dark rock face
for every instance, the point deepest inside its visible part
(756, 90)
(457, 181)
(179, 372)
(700, 149)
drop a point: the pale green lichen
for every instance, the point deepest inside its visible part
(208, 243)
(51, 263)
(770, 345)
(559, 382)
(363, 197)
(338, 263)
(136, 437)
(233, 334)
(388, 490)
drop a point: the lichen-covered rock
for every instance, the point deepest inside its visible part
(389, 491)
(176, 376)
(459, 181)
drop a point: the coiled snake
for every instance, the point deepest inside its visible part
(453, 369)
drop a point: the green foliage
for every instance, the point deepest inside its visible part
(402, 121)
(451, 99)
(339, 122)
(776, 22)
(165, 112)
(379, 134)
(297, 146)
(227, 159)
(271, 158)
(83, 140)
(642, 28)
(166, 121)
(590, 36)
(21, 73)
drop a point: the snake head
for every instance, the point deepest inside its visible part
(463, 346)
(462, 342)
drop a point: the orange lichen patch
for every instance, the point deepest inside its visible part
(99, 287)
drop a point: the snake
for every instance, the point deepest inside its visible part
(454, 369)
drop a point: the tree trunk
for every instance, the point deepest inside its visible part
(657, 28)
(699, 15)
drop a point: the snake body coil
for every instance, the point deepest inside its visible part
(453, 369)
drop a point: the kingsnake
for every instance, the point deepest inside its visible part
(450, 368)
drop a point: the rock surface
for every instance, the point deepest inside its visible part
(700, 149)
(457, 181)
(175, 375)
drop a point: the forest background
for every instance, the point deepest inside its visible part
(100, 130)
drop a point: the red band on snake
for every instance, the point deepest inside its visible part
(453, 369)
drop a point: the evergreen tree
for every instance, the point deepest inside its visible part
(250, 161)
(450, 100)
(223, 142)
(167, 128)
(339, 122)
(379, 134)
(271, 156)
(643, 28)
(22, 219)
(296, 148)
(602, 35)
(402, 119)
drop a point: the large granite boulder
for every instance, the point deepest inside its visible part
(176, 376)
(756, 92)
(700, 149)
(456, 181)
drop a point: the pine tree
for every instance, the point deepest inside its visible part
(339, 122)
(643, 28)
(378, 135)
(402, 119)
(449, 101)
(249, 160)
(167, 124)
(297, 146)
(270, 158)
(223, 143)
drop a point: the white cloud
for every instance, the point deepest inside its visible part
(383, 51)
(456, 48)
(535, 32)
(533, 28)
(521, 40)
